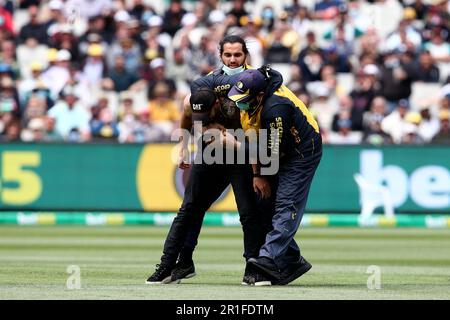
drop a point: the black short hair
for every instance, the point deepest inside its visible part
(233, 39)
(202, 100)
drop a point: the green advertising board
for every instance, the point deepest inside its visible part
(134, 177)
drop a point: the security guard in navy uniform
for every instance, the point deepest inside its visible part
(267, 104)
(208, 181)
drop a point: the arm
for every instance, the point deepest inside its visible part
(220, 83)
(185, 124)
(260, 183)
(278, 122)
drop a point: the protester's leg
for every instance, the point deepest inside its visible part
(204, 186)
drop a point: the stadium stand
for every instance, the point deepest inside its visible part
(337, 55)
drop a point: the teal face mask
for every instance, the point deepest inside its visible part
(243, 106)
(232, 71)
(251, 105)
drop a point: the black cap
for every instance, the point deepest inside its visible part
(202, 101)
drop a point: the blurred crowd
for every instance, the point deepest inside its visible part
(374, 72)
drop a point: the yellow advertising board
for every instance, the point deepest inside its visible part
(160, 183)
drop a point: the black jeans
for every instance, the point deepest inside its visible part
(205, 185)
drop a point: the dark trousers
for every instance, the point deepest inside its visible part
(294, 181)
(205, 185)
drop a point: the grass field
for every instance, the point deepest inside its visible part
(115, 262)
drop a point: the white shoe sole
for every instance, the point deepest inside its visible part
(263, 283)
(165, 281)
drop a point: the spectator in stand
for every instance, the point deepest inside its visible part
(94, 68)
(438, 47)
(27, 85)
(6, 18)
(268, 19)
(364, 90)
(126, 105)
(155, 34)
(63, 37)
(89, 8)
(372, 132)
(359, 57)
(119, 79)
(203, 58)
(138, 129)
(155, 45)
(238, 12)
(104, 128)
(443, 136)
(311, 44)
(163, 110)
(50, 132)
(178, 69)
(343, 28)
(36, 107)
(277, 51)
(310, 63)
(429, 124)
(290, 38)
(11, 132)
(395, 79)
(172, 17)
(8, 58)
(102, 103)
(405, 35)
(57, 75)
(344, 135)
(302, 22)
(7, 117)
(339, 57)
(96, 25)
(395, 123)
(410, 135)
(91, 39)
(72, 119)
(127, 125)
(56, 16)
(323, 106)
(427, 71)
(420, 8)
(128, 49)
(346, 111)
(327, 9)
(33, 29)
(369, 42)
(35, 131)
(254, 39)
(9, 95)
(158, 67)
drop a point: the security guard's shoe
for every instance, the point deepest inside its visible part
(261, 280)
(253, 277)
(267, 267)
(183, 270)
(162, 275)
(294, 271)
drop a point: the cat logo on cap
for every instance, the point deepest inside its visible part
(197, 106)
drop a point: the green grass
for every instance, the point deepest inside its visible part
(115, 261)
